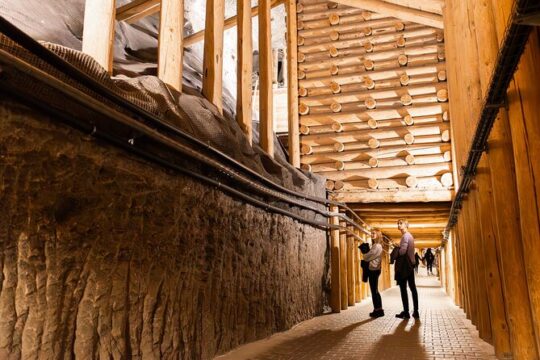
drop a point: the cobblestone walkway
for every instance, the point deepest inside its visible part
(443, 332)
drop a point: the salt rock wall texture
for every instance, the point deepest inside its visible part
(105, 256)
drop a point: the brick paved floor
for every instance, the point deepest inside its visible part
(443, 332)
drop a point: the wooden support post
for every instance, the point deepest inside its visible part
(244, 68)
(350, 269)
(357, 271)
(441, 266)
(335, 293)
(457, 269)
(292, 84)
(266, 121)
(467, 305)
(484, 322)
(98, 31)
(450, 271)
(212, 87)
(343, 270)
(170, 47)
(491, 257)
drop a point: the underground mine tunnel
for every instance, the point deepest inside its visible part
(271, 179)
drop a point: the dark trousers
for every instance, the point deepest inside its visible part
(404, 295)
(430, 267)
(374, 286)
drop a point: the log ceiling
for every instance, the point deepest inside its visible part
(373, 100)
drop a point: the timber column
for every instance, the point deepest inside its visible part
(335, 293)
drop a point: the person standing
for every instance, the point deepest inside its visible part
(374, 257)
(404, 270)
(417, 259)
(429, 261)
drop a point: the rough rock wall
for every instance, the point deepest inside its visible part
(105, 256)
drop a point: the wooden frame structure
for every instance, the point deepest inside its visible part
(99, 24)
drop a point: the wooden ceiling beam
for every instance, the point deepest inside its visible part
(427, 244)
(386, 221)
(412, 225)
(435, 233)
(394, 196)
(410, 217)
(402, 207)
(432, 6)
(419, 240)
(229, 23)
(137, 9)
(398, 11)
(393, 220)
(404, 213)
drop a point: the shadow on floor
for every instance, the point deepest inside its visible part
(329, 338)
(403, 343)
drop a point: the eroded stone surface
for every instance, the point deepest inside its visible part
(106, 256)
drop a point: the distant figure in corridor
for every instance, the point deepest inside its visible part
(404, 270)
(417, 259)
(429, 261)
(374, 257)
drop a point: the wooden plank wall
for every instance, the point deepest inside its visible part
(495, 275)
(373, 103)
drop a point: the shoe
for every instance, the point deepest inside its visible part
(416, 315)
(403, 315)
(372, 314)
(378, 313)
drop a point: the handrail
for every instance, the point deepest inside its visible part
(515, 39)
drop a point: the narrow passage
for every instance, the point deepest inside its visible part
(443, 332)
